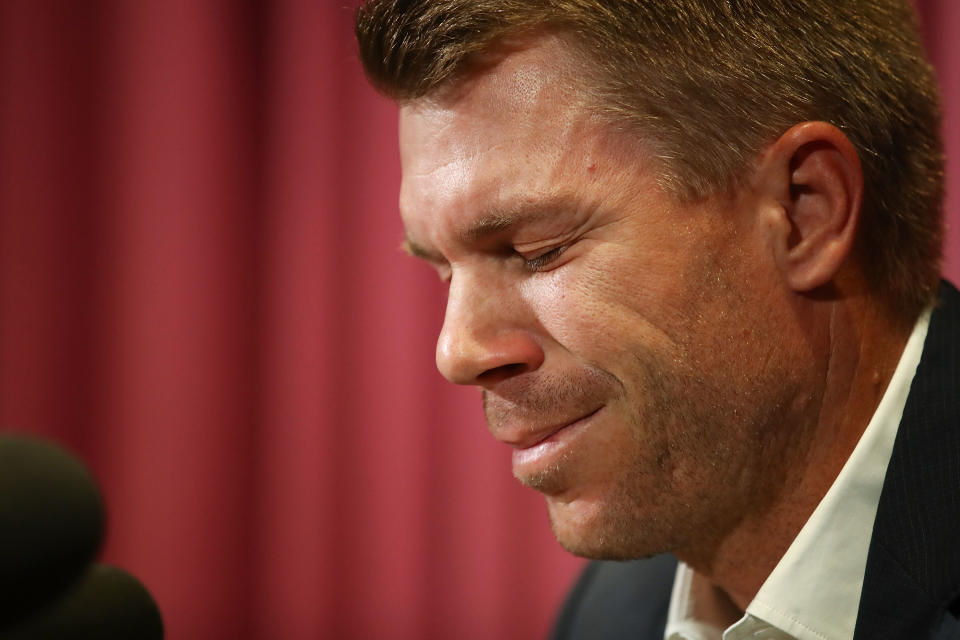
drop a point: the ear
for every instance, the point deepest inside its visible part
(811, 177)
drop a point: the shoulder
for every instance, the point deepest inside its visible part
(912, 576)
(613, 600)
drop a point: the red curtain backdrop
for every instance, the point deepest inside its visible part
(201, 294)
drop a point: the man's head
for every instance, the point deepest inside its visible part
(646, 212)
(707, 84)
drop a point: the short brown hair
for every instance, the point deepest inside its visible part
(710, 83)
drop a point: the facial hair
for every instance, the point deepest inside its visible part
(689, 459)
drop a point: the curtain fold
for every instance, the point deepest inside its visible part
(201, 293)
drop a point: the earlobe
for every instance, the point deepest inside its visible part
(813, 173)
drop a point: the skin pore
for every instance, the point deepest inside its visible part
(685, 377)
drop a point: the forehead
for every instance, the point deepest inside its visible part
(512, 126)
(528, 87)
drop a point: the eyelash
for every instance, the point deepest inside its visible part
(544, 259)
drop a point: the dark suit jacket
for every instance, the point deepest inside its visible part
(911, 587)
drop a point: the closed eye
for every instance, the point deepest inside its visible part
(540, 262)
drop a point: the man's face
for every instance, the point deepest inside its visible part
(620, 337)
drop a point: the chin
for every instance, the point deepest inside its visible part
(603, 532)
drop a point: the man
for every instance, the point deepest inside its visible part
(692, 250)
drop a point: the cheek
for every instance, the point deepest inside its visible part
(573, 306)
(611, 301)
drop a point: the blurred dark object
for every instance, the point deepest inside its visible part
(108, 604)
(51, 524)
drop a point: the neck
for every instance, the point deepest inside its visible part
(856, 353)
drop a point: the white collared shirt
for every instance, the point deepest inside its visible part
(814, 591)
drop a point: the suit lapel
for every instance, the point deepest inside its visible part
(913, 566)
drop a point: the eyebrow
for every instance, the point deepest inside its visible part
(491, 224)
(416, 250)
(485, 227)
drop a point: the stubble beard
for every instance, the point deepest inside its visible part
(691, 465)
(573, 394)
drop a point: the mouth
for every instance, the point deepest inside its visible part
(545, 448)
(524, 437)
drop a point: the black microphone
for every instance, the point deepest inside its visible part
(51, 524)
(108, 604)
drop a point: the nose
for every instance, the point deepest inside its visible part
(487, 334)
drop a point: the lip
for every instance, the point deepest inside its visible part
(529, 458)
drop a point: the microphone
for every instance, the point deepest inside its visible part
(108, 604)
(51, 524)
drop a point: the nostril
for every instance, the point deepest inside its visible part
(502, 372)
